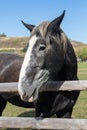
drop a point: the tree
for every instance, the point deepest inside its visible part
(3, 35)
(83, 54)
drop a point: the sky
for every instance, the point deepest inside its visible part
(34, 12)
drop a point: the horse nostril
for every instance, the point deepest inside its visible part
(24, 97)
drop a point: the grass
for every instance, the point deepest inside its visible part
(80, 109)
(7, 50)
(82, 71)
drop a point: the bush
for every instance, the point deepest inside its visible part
(83, 54)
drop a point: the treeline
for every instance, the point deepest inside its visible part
(3, 35)
(82, 54)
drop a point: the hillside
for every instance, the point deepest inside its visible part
(13, 42)
(80, 49)
(78, 45)
(18, 43)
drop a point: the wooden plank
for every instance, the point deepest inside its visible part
(65, 85)
(50, 86)
(9, 87)
(46, 123)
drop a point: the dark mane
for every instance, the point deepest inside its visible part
(42, 30)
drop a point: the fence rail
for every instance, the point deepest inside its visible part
(50, 86)
(47, 123)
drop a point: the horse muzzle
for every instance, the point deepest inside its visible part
(28, 88)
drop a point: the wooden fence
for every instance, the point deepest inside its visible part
(47, 123)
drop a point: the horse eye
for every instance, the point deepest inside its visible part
(42, 47)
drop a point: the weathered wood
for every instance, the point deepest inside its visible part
(65, 85)
(50, 86)
(47, 123)
(9, 87)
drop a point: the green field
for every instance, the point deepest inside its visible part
(82, 70)
(80, 109)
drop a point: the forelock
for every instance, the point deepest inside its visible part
(42, 28)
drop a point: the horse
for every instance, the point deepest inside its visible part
(50, 57)
(10, 65)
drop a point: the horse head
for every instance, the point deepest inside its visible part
(44, 57)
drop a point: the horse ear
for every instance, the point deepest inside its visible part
(28, 26)
(55, 24)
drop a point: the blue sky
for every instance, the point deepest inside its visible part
(35, 11)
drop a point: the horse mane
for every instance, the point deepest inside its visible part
(42, 28)
(43, 31)
(64, 40)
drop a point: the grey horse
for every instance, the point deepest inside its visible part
(49, 57)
